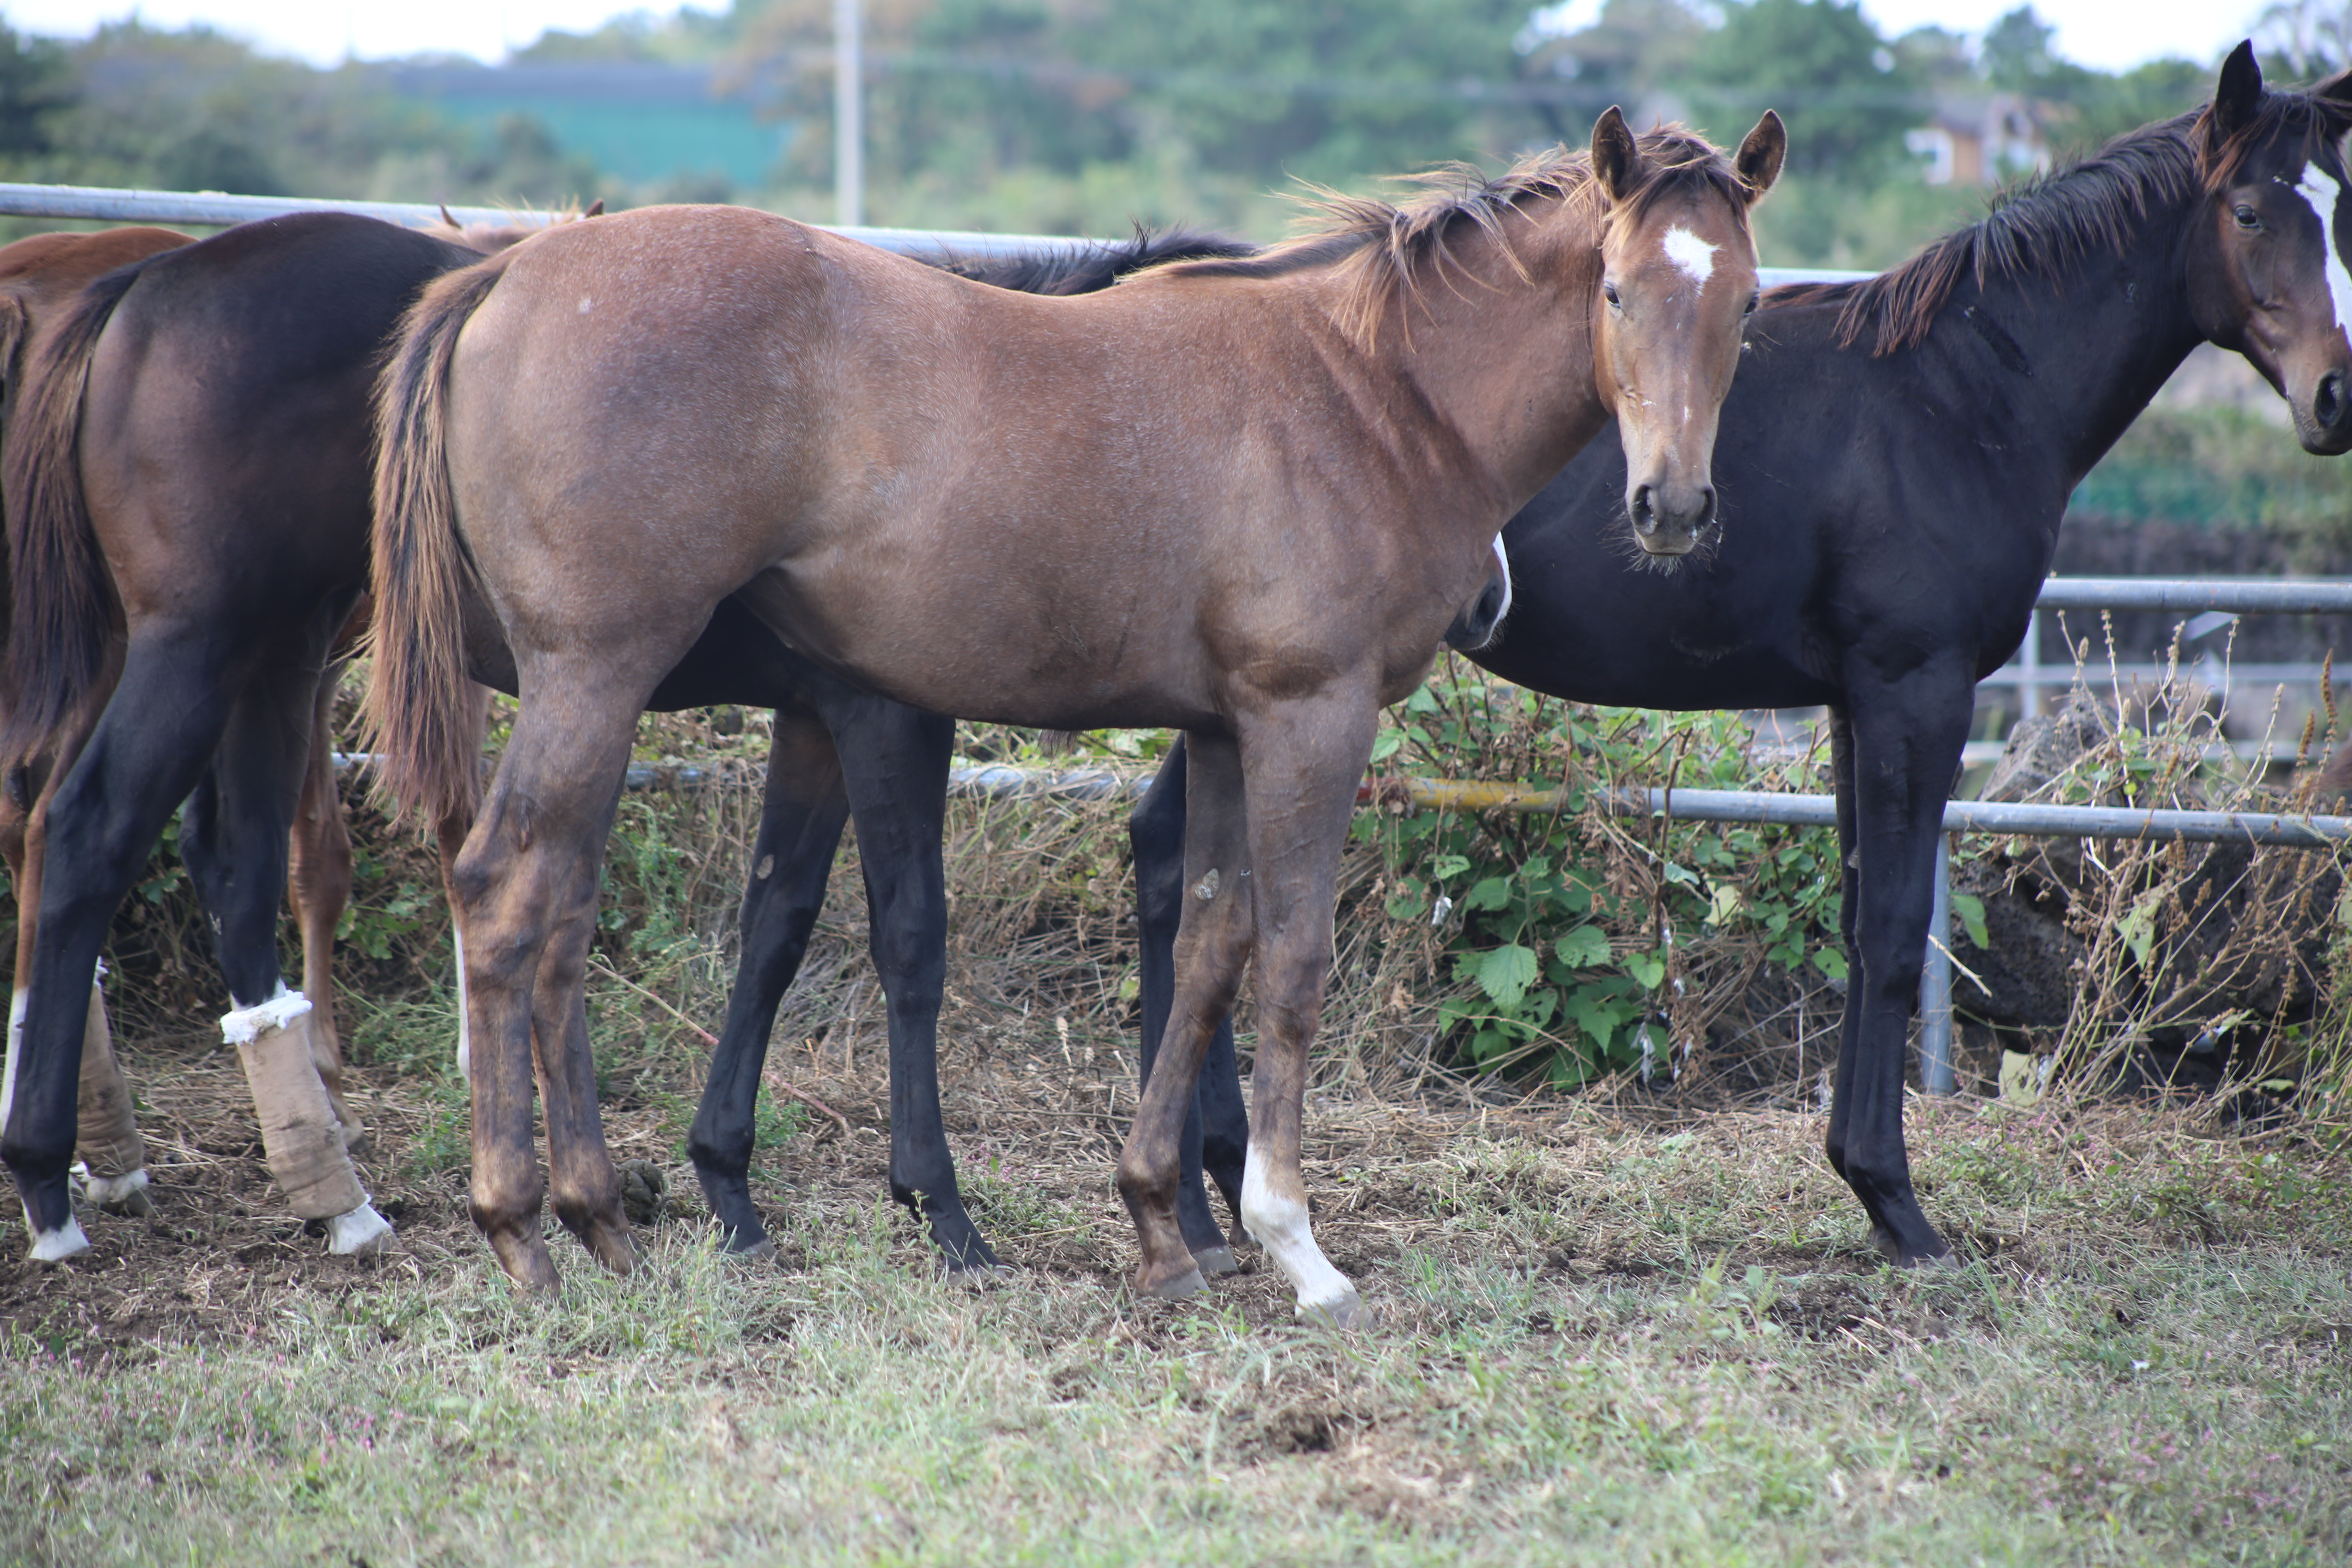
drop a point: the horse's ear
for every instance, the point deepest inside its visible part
(1616, 160)
(1760, 155)
(596, 208)
(2239, 94)
(2336, 89)
(448, 218)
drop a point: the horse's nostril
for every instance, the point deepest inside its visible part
(2327, 403)
(1645, 519)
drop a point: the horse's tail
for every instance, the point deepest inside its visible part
(61, 596)
(417, 710)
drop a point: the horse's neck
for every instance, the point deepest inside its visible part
(2098, 344)
(1503, 356)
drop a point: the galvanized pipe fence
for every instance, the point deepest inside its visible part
(2264, 597)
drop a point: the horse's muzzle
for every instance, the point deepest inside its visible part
(1669, 519)
(2324, 423)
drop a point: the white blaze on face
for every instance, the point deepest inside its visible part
(2321, 192)
(1502, 563)
(1694, 256)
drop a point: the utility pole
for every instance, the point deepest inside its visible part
(848, 114)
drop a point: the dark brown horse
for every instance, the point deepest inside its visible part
(1241, 498)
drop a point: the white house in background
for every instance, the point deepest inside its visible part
(1981, 140)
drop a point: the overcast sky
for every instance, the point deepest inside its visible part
(2110, 34)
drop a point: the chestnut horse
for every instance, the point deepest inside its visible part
(1241, 498)
(40, 278)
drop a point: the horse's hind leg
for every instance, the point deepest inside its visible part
(100, 819)
(234, 836)
(894, 762)
(1216, 1126)
(801, 818)
(527, 875)
(112, 1156)
(319, 883)
(1213, 944)
(583, 1184)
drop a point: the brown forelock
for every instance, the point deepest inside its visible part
(1382, 248)
(2045, 225)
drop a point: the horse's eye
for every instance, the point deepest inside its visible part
(2248, 219)
(1753, 300)
(1609, 292)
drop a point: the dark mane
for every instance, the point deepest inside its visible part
(1385, 245)
(1085, 269)
(2046, 226)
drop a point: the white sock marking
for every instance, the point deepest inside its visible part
(16, 1035)
(243, 1027)
(464, 1038)
(56, 1246)
(2321, 192)
(362, 1230)
(1694, 256)
(1280, 1226)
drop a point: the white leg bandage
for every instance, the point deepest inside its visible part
(1279, 1223)
(300, 1132)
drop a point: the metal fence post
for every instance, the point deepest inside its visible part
(1935, 1069)
(2029, 664)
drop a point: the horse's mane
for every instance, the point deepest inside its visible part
(2046, 225)
(1097, 265)
(1383, 247)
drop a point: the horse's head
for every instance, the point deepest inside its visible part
(1678, 283)
(2266, 268)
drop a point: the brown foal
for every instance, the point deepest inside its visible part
(1241, 498)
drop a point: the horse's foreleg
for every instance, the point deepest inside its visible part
(526, 866)
(1850, 1023)
(1213, 944)
(584, 1187)
(319, 883)
(894, 762)
(1216, 1126)
(87, 844)
(450, 832)
(801, 818)
(1907, 737)
(1304, 762)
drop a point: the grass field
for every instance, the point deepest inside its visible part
(1602, 1337)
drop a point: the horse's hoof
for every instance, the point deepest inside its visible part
(125, 1196)
(1344, 1311)
(362, 1233)
(1215, 1260)
(526, 1261)
(1188, 1283)
(978, 1276)
(758, 1251)
(56, 1246)
(1935, 1261)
